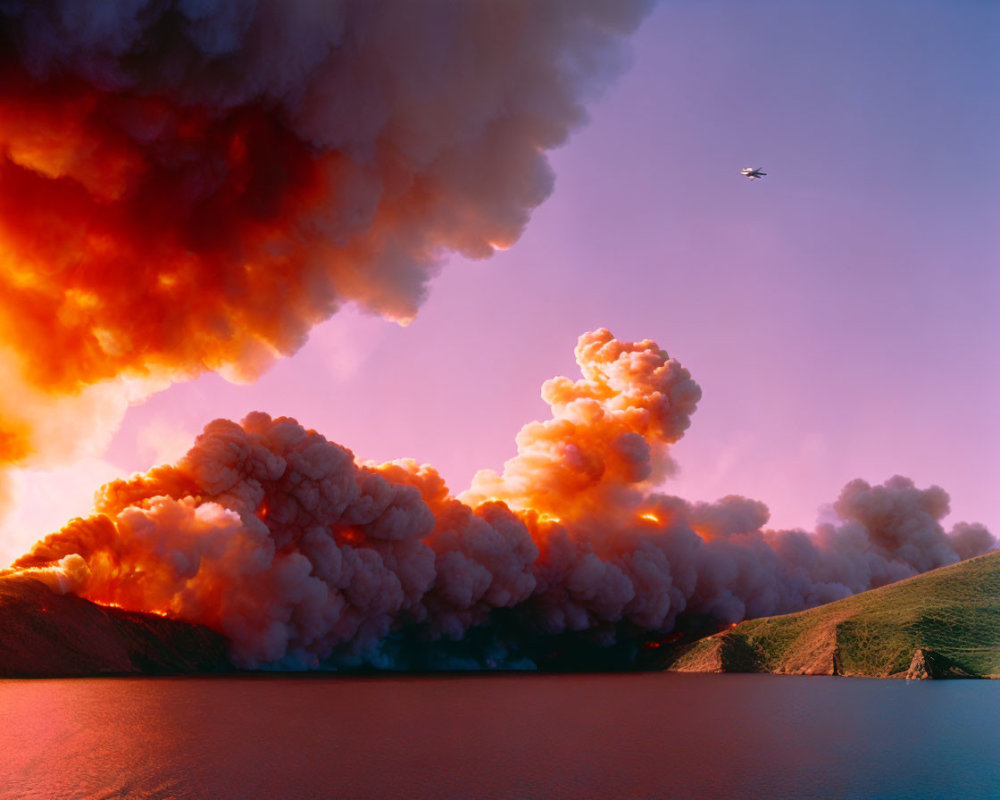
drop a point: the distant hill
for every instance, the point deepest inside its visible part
(944, 623)
(45, 634)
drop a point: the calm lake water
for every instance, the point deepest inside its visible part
(516, 736)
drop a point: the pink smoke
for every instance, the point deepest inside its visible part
(301, 555)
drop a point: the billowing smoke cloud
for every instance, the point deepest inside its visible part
(190, 185)
(607, 438)
(282, 541)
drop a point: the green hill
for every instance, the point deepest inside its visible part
(944, 623)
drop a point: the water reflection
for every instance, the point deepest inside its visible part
(594, 736)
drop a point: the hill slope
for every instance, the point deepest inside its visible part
(944, 623)
(44, 634)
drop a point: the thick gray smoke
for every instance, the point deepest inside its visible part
(282, 541)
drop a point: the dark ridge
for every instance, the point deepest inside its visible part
(48, 635)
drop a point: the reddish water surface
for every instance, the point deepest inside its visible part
(496, 736)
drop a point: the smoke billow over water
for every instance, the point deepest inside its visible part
(190, 185)
(303, 556)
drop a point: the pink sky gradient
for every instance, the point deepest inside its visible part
(839, 314)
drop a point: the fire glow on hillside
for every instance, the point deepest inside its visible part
(191, 186)
(302, 556)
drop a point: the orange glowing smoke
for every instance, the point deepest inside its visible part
(14, 444)
(606, 443)
(301, 555)
(138, 236)
(189, 187)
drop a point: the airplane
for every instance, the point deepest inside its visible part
(752, 172)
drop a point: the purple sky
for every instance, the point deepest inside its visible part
(839, 314)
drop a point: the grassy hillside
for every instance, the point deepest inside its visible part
(949, 619)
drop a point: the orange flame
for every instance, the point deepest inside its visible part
(112, 604)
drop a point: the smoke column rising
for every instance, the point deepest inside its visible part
(190, 185)
(284, 542)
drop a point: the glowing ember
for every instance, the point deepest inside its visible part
(113, 604)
